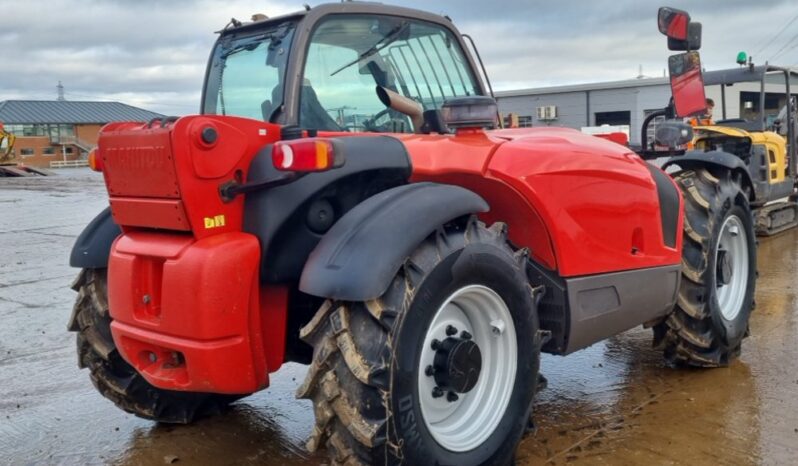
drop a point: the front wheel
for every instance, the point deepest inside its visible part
(716, 294)
(441, 369)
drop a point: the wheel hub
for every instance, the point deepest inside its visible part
(457, 365)
(725, 267)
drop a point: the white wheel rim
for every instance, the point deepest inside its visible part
(734, 242)
(465, 424)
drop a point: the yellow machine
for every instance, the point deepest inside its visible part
(763, 137)
(6, 145)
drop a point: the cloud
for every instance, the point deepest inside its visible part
(153, 53)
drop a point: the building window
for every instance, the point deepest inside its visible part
(525, 121)
(16, 130)
(614, 118)
(70, 150)
(34, 130)
(66, 130)
(48, 151)
(27, 152)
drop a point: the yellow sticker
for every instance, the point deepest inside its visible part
(214, 222)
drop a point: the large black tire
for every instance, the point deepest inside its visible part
(696, 333)
(364, 376)
(113, 377)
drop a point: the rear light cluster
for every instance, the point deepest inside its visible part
(95, 161)
(306, 155)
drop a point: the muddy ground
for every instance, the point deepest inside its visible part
(614, 403)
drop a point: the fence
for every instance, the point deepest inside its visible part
(69, 163)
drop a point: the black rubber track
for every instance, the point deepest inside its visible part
(695, 333)
(349, 378)
(113, 377)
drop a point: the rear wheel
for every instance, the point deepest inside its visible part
(113, 377)
(716, 295)
(441, 369)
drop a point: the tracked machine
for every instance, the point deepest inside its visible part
(346, 200)
(756, 133)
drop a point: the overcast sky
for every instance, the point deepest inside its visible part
(153, 53)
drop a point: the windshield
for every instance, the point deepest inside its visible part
(350, 55)
(247, 74)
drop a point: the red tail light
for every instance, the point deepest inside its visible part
(306, 155)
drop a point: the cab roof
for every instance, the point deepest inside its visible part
(352, 7)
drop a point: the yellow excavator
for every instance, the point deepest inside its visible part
(758, 124)
(6, 145)
(9, 166)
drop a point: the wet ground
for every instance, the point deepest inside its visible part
(614, 403)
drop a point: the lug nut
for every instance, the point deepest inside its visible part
(465, 335)
(435, 345)
(450, 330)
(451, 397)
(437, 392)
(429, 371)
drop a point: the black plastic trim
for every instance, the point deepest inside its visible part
(357, 259)
(669, 201)
(93, 246)
(279, 216)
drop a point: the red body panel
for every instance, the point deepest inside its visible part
(170, 294)
(174, 162)
(583, 205)
(188, 307)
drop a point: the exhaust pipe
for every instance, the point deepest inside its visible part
(403, 105)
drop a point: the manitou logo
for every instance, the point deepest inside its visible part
(214, 222)
(137, 158)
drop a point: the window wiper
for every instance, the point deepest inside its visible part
(249, 46)
(387, 40)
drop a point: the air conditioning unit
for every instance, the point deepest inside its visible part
(549, 112)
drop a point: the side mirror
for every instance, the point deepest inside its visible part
(687, 84)
(673, 23)
(681, 32)
(673, 134)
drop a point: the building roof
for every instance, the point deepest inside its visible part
(70, 112)
(585, 87)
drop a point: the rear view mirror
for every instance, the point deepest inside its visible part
(687, 84)
(681, 32)
(673, 23)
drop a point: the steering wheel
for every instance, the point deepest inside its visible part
(371, 125)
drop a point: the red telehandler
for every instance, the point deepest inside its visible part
(345, 200)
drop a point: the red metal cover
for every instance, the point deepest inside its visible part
(152, 213)
(187, 313)
(137, 161)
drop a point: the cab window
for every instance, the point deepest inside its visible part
(350, 55)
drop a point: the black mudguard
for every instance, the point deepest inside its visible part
(713, 158)
(359, 256)
(93, 246)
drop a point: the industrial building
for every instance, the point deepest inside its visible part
(59, 131)
(622, 103)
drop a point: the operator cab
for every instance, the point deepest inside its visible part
(341, 68)
(754, 98)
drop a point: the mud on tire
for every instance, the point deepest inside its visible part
(113, 377)
(364, 376)
(699, 332)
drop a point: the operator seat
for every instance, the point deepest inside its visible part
(312, 114)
